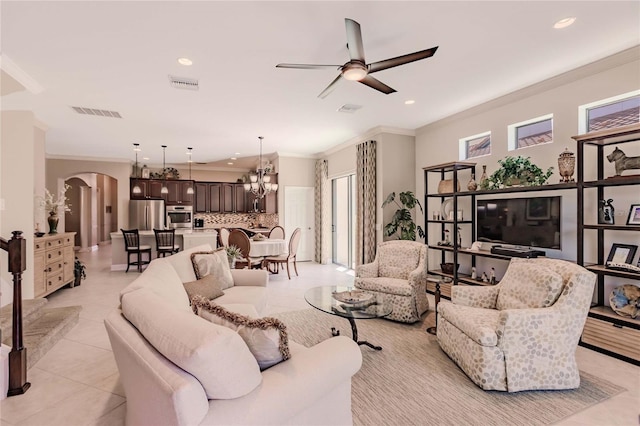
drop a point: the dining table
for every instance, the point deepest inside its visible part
(267, 247)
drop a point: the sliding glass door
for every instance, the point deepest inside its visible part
(343, 225)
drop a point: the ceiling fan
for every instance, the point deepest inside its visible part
(357, 69)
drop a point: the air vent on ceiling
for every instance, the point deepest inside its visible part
(349, 108)
(93, 111)
(184, 83)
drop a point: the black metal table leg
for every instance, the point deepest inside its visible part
(354, 334)
(434, 330)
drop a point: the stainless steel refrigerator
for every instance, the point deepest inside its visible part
(146, 215)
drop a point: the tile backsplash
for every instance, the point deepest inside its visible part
(257, 220)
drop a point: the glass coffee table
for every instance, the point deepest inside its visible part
(372, 306)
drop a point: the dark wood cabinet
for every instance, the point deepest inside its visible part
(178, 192)
(208, 197)
(152, 188)
(233, 198)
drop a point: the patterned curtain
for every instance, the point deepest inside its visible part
(366, 203)
(322, 213)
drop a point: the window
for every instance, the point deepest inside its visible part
(475, 146)
(532, 132)
(608, 113)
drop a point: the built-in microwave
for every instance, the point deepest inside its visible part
(179, 217)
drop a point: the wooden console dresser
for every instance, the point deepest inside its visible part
(53, 262)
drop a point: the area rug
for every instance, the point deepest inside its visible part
(411, 381)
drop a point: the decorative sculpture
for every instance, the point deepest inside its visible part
(606, 212)
(622, 162)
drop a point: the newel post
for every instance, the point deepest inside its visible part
(17, 253)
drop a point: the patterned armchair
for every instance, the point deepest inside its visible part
(522, 333)
(399, 272)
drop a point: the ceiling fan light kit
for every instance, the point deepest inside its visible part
(357, 68)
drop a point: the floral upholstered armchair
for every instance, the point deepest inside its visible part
(399, 273)
(522, 333)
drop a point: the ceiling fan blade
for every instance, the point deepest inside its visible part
(354, 40)
(377, 84)
(308, 66)
(330, 87)
(401, 60)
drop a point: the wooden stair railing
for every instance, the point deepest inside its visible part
(17, 254)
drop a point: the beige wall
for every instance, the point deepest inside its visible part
(17, 182)
(342, 162)
(40, 216)
(396, 157)
(293, 171)
(438, 143)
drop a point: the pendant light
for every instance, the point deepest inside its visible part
(136, 188)
(164, 189)
(190, 189)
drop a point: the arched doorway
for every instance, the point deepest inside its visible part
(94, 209)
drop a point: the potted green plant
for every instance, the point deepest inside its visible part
(79, 272)
(402, 222)
(233, 253)
(516, 171)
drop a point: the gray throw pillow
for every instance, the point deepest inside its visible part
(207, 287)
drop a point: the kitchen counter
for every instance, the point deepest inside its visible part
(185, 238)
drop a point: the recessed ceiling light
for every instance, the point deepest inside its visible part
(233, 158)
(564, 23)
(145, 158)
(237, 153)
(409, 102)
(185, 61)
(230, 163)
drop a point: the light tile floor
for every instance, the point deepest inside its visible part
(77, 383)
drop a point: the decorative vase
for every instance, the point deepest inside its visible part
(566, 165)
(53, 222)
(483, 178)
(472, 185)
(232, 262)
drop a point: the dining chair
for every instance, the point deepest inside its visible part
(277, 232)
(286, 258)
(165, 242)
(241, 240)
(132, 246)
(224, 237)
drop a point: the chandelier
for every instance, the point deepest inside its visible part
(259, 182)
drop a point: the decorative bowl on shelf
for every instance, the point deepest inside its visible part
(39, 234)
(447, 268)
(625, 300)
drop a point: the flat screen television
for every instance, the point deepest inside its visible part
(529, 222)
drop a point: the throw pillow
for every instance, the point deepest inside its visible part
(266, 338)
(213, 263)
(207, 286)
(527, 284)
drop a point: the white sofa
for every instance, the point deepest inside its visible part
(312, 387)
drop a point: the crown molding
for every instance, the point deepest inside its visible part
(368, 135)
(78, 158)
(19, 75)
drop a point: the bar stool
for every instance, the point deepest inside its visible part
(165, 242)
(132, 246)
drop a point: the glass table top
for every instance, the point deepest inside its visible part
(322, 298)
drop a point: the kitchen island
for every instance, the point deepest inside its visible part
(185, 238)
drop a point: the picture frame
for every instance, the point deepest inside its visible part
(622, 253)
(538, 209)
(634, 215)
(145, 173)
